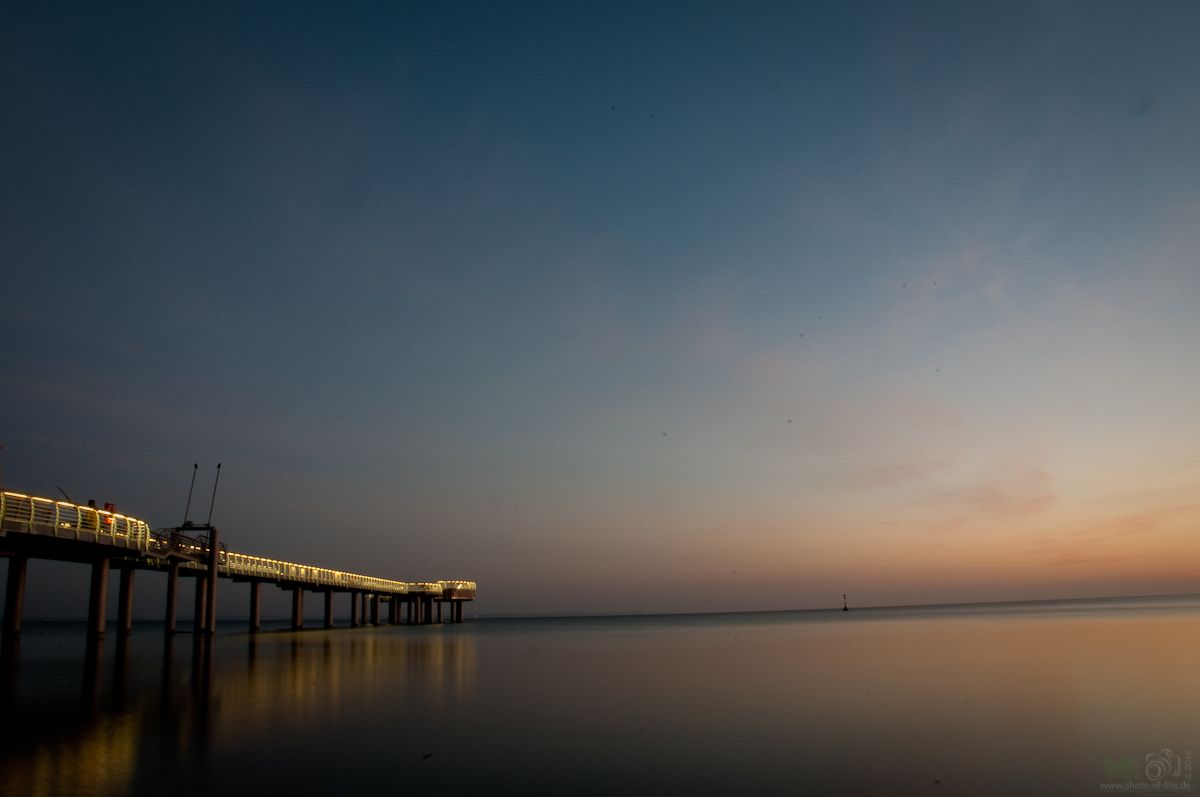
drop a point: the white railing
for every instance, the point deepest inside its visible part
(241, 564)
(45, 516)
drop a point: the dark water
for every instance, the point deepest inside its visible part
(1002, 699)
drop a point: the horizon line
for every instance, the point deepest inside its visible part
(618, 615)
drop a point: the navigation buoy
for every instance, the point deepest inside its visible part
(845, 606)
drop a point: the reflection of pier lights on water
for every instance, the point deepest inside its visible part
(43, 528)
(121, 729)
(98, 757)
(145, 723)
(295, 678)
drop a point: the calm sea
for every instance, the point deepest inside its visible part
(1078, 697)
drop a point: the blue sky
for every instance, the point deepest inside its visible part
(613, 307)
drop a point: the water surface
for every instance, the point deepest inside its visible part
(986, 699)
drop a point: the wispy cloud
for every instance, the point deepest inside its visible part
(1005, 493)
(896, 473)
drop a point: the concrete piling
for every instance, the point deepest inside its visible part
(125, 604)
(172, 598)
(198, 624)
(14, 595)
(214, 555)
(98, 598)
(255, 606)
(297, 609)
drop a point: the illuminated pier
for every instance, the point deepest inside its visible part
(43, 528)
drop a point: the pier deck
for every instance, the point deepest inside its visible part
(32, 527)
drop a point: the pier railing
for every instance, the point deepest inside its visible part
(246, 565)
(33, 515)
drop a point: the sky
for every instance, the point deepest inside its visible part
(616, 307)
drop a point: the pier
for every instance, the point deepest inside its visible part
(43, 528)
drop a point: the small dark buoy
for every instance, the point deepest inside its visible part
(845, 606)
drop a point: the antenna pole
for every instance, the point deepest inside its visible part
(216, 481)
(188, 508)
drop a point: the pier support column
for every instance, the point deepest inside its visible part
(14, 595)
(460, 610)
(214, 557)
(329, 608)
(375, 609)
(255, 606)
(172, 598)
(353, 609)
(297, 609)
(198, 624)
(439, 612)
(98, 600)
(125, 606)
(362, 607)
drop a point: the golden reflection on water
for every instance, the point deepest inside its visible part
(138, 718)
(98, 760)
(314, 680)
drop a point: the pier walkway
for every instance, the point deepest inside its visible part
(45, 528)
